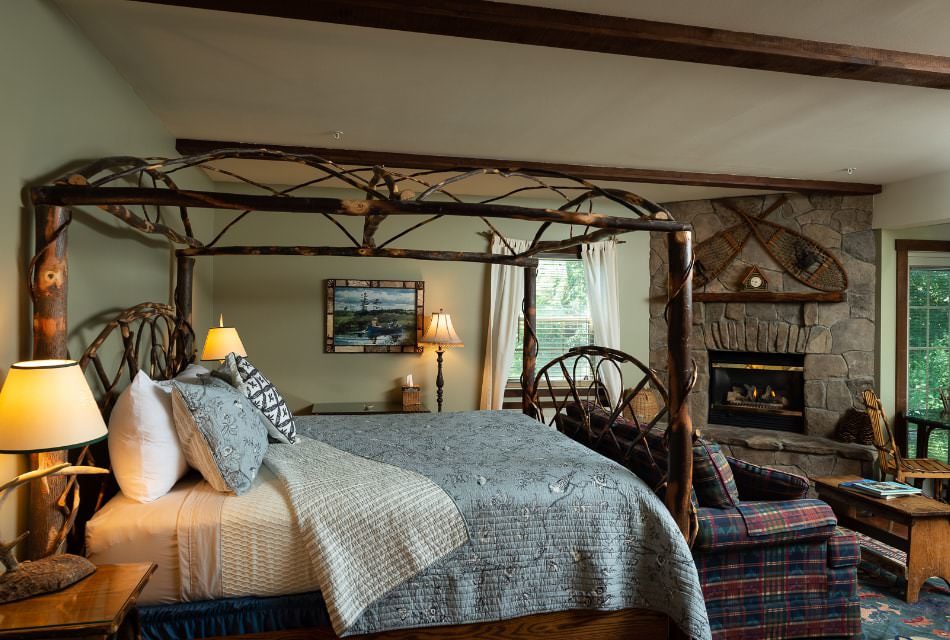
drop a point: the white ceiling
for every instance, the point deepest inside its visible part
(226, 76)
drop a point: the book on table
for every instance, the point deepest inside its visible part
(881, 489)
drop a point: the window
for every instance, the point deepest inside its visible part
(928, 346)
(563, 318)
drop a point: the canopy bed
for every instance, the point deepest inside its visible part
(158, 338)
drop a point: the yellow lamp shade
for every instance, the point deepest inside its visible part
(441, 332)
(221, 341)
(46, 405)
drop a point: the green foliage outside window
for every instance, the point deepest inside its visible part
(928, 353)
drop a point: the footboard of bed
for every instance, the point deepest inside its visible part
(562, 625)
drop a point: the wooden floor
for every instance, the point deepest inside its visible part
(563, 625)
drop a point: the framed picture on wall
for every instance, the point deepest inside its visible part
(374, 316)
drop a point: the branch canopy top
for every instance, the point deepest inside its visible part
(123, 186)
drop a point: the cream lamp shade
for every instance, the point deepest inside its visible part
(47, 405)
(441, 332)
(221, 341)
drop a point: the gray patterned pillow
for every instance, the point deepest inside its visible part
(222, 434)
(245, 377)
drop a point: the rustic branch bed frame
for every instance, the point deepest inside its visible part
(159, 336)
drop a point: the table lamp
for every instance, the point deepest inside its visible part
(221, 341)
(45, 405)
(441, 332)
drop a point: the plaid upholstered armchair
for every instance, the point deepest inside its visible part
(772, 562)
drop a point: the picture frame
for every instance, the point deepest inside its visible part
(374, 316)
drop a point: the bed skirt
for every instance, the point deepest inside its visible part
(232, 616)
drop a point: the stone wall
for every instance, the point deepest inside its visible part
(837, 338)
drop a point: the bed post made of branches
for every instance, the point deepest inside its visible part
(530, 343)
(184, 300)
(680, 320)
(184, 286)
(50, 278)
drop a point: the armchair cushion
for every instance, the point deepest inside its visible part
(762, 483)
(712, 476)
(763, 523)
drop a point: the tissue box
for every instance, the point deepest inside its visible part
(411, 396)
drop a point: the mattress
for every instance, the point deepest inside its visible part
(192, 534)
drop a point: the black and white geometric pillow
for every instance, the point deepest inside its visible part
(265, 396)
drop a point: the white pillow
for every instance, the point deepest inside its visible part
(144, 449)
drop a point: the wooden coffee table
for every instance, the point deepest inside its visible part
(917, 525)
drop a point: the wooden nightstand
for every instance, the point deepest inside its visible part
(100, 607)
(359, 408)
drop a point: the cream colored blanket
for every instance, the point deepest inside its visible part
(366, 526)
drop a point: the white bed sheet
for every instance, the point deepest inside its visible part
(128, 531)
(206, 544)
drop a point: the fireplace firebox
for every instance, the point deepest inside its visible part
(760, 390)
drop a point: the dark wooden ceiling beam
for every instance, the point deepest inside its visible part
(520, 24)
(187, 146)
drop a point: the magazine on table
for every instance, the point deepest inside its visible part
(881, 489)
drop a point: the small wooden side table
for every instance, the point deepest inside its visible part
(917, 525)
(927, 421)
(99, 607)
(360, 408)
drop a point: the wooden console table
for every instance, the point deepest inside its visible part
(917, 525)
(359, 408)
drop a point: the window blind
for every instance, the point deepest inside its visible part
(563, 317)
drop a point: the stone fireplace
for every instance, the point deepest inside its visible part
(830, 345)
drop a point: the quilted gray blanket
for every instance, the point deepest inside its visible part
(552, 525)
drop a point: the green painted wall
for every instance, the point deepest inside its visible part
(277, 304)
(62, 101)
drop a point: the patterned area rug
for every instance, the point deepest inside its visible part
(885, 616)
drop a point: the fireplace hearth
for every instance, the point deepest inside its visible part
(758, 390)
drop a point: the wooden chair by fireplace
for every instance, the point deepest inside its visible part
(889, 457)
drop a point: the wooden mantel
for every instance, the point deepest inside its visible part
(771, 297)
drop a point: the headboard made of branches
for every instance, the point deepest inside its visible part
(154, 338)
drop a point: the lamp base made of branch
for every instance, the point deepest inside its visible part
(43, 576)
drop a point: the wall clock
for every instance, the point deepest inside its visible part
(755, 280)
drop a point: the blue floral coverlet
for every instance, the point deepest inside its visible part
(552, 525)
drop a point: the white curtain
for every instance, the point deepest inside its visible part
(507, 294)
(603, 296)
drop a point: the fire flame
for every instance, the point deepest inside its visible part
(766, 395)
